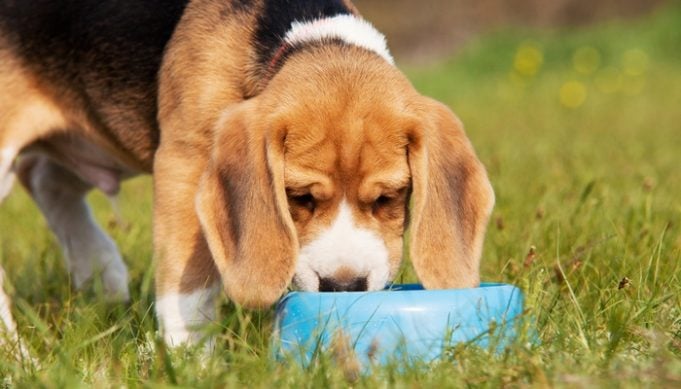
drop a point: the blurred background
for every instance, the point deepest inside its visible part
(574, 107)
(429, 29)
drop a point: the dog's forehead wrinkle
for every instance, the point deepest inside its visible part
(310, 151)
(382, 154)
(304, 137)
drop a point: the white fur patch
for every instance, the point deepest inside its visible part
(343, 244)
(348, 28)
(7, 156)
(181, 315)
(7, 325)
(10, 343)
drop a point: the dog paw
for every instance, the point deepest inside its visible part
(115, 281)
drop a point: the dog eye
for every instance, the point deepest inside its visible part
(306, 201)
(389, 202)
(382, 202)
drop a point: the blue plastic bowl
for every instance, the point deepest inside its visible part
(404, 322)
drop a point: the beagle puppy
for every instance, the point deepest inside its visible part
(284, 144)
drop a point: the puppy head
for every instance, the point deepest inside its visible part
(312, 181)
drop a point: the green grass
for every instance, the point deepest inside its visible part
(591, 180)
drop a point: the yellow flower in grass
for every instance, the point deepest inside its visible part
(528, 60)
(572, 94)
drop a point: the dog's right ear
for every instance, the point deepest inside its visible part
(242, 207)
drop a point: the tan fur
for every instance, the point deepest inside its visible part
(192, 97)
(365, 123)
(33, 109)
(235, 149)
(452, 201)
(26, 111)
(241, 205)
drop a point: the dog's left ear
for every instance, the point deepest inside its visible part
(451, 201)
(243, 209)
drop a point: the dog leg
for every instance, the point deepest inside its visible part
(182, 316)
(7, 156)
(6, 319)
(7, 325)
(186, 278)
(10, 342)
(60, 195)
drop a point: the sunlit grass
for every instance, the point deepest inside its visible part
(581, 135)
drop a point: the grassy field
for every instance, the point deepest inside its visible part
(581, 134)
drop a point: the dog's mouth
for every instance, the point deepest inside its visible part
(309, 280)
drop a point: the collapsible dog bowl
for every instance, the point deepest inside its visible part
(401, 323)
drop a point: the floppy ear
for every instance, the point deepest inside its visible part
(242, 207)
(451, 201)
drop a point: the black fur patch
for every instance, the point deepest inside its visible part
(242, 5)
(107, 52)
(114, 36)
(277, 16)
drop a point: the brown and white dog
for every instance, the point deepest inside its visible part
(283, 142)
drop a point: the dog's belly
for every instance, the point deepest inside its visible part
(89, 161)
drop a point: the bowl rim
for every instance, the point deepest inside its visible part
(411, 288)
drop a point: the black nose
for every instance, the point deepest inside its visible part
(358, 284)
